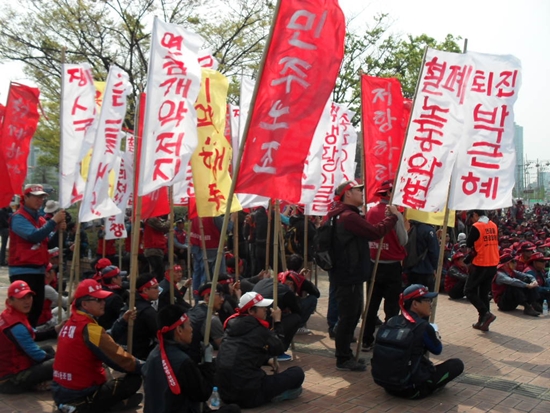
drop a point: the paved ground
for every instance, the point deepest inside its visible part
(507, 369)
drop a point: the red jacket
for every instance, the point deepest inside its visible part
(12, 358)
(46, 314)
(24, 253)
(153, 238)
(211, 233)
(392, 250)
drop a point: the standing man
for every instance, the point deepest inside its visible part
(427, 253)
(483, 239)
(155, 244)
(29, 234)
(351, 264)
(5, 214)
(387, 285)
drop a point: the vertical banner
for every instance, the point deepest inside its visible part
(78, 123)
(20, 122)
(170, 132)
(299, 74)
(383, 116)
(116, 227)
(96, 202)
(484, 172)
(210, 162)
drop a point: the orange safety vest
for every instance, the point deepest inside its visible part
(486, 245)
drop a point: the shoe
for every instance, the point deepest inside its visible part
(284, 357)
(367, 347)
(130, 403)
(331, 334)
(287, 395)
(351, 365)
(529, 310)
(66, 408)
(537, 307)
(303, 331)
(487, 319)
(362, 360)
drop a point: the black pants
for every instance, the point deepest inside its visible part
(273, 385)
(478, 287)
(106, 396)
(425, 279)
(291, 323)
(26, 380)
(387, 286)
(350, 303)
(443, 374)
(514, 296)
(36, 284)
(458, 290)
(157, 266)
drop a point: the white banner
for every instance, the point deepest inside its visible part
(96, 202)
(116, 227)
(333, 163)
(484, 174)
(78, 120)
(173, 84)
(207, 59)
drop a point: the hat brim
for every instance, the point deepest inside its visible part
(22, 294)
(266, 302)
(37, 193)
(430, 295)
(51, 210)
(101, 294)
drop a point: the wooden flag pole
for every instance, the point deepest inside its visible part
(306, 244)
(75, 263)
(189, 273)
(233, 185)
(204, 254)
(282, 247)
(268, 237)
(276, 238)
(104, 239)
(171, 242)
(236, 245)
(59, 231)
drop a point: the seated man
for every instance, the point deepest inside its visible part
(537, 268)
(111, 280)
(172, 381)
(198, 320)
(83, 346)
(145, 325)
(49, 316)
(455, 280)
(23, 364)
(512, 288)
(179, 293)
(399, 362)
(246, 347)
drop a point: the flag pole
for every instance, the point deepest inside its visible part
(60, 231)
(306, 230)
(282, 247)
(236, 244)
(204, 254)
(268, 236)
(188, 242)
(234, 181)
(171, 242)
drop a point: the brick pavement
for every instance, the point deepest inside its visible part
(507, 369)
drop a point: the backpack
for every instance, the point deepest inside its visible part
(323, 244)
(395, 357)
(292, 245)
(412, 257)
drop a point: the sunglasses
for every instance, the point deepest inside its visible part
(97, 300)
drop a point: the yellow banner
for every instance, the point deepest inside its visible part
(433, 218)
(210, 161)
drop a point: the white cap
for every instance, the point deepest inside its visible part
(461, 237)
(252, 299)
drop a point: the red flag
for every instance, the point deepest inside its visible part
(384, 128)
(299, 74)
(20, 122)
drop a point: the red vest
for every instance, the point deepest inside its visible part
(75, 366)
(110, 248)
(153, 238)
(46, 314)
(12, 358)
(392, 250)
(498, 289)
(24, 253)
(486, 245)
(211, 233)
(180, 236)
(128, 242)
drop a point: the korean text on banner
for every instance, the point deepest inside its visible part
(170, 131)
(96, 202)
(115, 227)
(78, 123)
(20, 122)
(299, 74)
(484, 172)
(385, 124)
(210, 162)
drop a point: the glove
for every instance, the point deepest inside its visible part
(208, 352)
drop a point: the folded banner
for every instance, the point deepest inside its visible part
(299, 74)
(170, 132)
(384, 126)
(116, 227)
(78, 123)
(96, 202)
(432, 218)
(463, 109)
(210, 162)
(20, 122)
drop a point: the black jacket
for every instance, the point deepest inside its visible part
(145, 328)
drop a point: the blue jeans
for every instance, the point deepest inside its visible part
(199, 272)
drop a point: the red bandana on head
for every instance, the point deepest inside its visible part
(166, 366)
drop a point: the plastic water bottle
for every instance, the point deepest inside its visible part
(214, 400)
(89, 254)
(545, 308)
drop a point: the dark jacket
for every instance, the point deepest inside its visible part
(179, 295)
(286, 298)
(145, 328)
(246, 346)
(426, 239)
(351, 253)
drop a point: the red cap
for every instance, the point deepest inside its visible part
(19, 289)
(457, 256)
(92, 288)
(34, 189)
(538, 256)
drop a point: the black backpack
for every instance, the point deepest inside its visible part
(395, 357)
(323, 244)
(412, 257)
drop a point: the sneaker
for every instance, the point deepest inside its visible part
(367, 347)
(537, 307)
(350, 365)
(130, 403)
(303, 331)
(529, 310)
(290, 394)
(66, 408)
(362, 360)
(284, 357)
(487, 319)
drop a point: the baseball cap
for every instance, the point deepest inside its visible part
(110, 271)
(34, 189)
(346, 186)
(252, 299)
(457, 256)
(102, 263)
(92, 288)
(506, 258)
(527, 246)
(19, 289)
(416, 291)
(385, 187)
(538, 256)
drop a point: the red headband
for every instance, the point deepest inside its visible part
(419, 292)
(226, 281)
(346, 188)
(251, 303)
(151, 283)
(172, 381)
(206, 291)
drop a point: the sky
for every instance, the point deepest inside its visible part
(491, 26)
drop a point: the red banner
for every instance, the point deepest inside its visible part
(20, 122)
(385, 122)
(299, 74)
